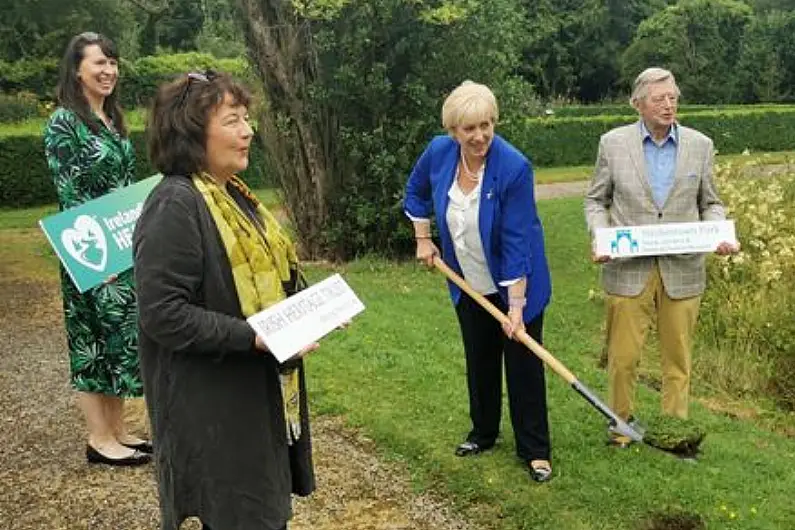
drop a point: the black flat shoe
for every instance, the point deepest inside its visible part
(136, 459)
(470, 448)
(144, 447)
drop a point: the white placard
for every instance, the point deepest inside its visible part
(298, 321)
(661, 239)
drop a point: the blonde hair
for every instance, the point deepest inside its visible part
(469, 102)
(650, 76)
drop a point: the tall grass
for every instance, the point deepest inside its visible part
(747, 325)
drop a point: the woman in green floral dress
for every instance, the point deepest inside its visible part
(89, 155)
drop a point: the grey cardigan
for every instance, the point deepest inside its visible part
(214, 401)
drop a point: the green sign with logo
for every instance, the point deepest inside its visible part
(94, 240)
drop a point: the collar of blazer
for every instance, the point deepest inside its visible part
(683, 151)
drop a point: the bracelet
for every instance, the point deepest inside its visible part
(517, 301)
(422, 237)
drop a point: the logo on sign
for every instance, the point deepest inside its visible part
(86, 243)
(624, 242)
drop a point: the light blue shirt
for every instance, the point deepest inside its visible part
(660, 162)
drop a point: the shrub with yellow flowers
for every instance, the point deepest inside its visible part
(747, 325)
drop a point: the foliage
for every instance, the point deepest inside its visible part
(26, 181)
(766, 67)
(747, 311)
(18, 107)
(138, 78)
(575, 45)
(698, 40)
(358, 95)
(36, 29)
(573, 141)
(36, 76)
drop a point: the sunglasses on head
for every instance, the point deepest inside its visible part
(208, 76)
(90, 36)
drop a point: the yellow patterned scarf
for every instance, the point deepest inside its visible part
(261, 259)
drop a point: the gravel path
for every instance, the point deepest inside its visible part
(45, 482)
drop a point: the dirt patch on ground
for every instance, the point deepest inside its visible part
(46, 483)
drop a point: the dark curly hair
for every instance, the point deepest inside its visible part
(176, 129)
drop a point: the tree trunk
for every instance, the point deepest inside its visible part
(296, 131)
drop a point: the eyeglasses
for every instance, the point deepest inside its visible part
(207, 77)
(660, 100)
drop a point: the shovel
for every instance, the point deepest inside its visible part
(617, 425)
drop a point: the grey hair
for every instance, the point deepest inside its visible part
(650, 76)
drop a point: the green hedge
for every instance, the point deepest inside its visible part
(139, 78)
(624, 109)
(24, 179)
(18, 107)
(573, 141)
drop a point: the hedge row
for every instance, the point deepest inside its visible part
(24, 179)
(139, 78)
(574, 141)
(624, 109)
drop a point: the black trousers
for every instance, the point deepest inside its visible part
(485, 345)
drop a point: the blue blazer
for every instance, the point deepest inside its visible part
(512, 235)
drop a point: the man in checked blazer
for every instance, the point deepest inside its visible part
(651, 172)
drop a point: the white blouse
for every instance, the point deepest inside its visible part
(462, 220)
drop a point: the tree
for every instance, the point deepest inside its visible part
(766, 68)
(354, 91)
(698, 40)
(37, 29)
(575, 45)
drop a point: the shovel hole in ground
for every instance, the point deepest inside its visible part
(674, 521)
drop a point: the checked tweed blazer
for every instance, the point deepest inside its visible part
(620, 194)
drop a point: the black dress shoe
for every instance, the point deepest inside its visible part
(136, 459)
(144, 447)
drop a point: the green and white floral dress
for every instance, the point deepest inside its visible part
(101, 324)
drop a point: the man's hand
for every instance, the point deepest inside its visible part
(725, 248)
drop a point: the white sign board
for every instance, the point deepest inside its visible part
(298, 321)
(667, 238)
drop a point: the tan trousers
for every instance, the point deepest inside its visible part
(628, 320)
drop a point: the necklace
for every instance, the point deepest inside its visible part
(474, 177)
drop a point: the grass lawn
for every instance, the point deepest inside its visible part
(398, 375)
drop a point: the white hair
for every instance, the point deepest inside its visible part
(650, 76)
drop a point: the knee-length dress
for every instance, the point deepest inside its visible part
(101, 323)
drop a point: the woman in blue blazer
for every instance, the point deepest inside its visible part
(480, 188)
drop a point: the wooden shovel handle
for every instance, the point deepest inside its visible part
(521, 335)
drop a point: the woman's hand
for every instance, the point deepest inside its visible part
(260, 344)
(305, 351)
(517, 322)
(426, 250)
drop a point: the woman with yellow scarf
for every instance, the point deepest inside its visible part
(230, 424)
